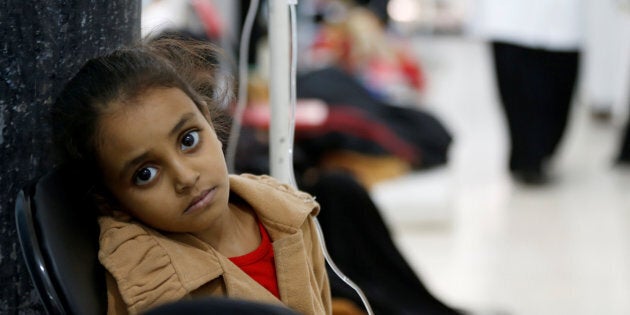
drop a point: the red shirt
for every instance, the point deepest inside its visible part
(259, 264)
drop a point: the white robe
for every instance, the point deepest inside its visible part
(546, 24)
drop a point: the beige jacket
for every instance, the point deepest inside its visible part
(147, 268)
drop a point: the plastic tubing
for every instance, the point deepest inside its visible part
(293, 102)
(242, 86)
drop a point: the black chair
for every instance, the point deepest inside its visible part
(220, 306)
(58, 234)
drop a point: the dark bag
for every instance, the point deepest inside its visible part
(417, 128)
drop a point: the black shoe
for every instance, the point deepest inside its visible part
(623, 160)
(531, 177)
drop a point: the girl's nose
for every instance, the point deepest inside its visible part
(185, 177)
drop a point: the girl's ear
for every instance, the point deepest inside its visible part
(107, 205)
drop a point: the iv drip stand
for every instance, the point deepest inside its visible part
(279, 83)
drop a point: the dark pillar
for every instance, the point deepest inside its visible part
(42, 44)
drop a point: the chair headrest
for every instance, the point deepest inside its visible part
(67, 231)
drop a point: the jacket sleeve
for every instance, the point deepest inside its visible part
(115, 303)
(319, 265)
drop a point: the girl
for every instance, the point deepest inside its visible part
(145, 122)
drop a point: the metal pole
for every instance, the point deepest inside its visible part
(279, 84)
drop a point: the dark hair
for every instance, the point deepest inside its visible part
(191, 66)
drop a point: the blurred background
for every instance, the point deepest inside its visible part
(403, 95)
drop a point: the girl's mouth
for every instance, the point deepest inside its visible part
(201, 201)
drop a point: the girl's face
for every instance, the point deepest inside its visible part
(162, 160)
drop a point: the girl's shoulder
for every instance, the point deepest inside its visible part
(268, 184)
(274, 200)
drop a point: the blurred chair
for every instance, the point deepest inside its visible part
(58, 235)
(217, 305)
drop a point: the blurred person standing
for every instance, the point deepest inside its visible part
(536, 48)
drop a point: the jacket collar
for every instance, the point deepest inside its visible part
(274, 201)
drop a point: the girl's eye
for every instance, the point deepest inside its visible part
(190, 140)
(144, 176)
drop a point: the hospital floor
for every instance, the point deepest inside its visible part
(483, 242)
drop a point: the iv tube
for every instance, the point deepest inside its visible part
(293, 101)
(242, 86)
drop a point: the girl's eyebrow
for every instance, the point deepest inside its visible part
(176, 129)
(180, 124)
(132, 163)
